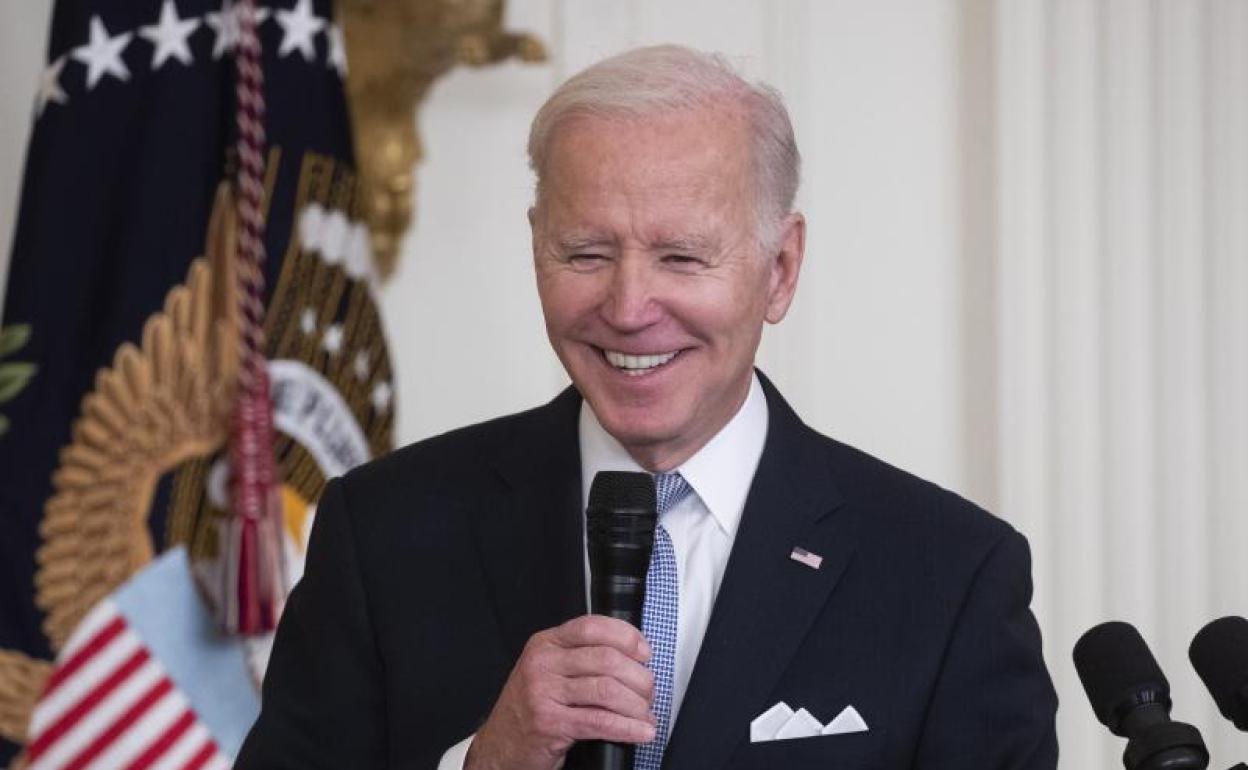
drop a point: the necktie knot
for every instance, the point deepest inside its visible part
(670, 489)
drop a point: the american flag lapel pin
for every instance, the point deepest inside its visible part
(802, 556)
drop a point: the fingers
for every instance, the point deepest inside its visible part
(599, 630)
(606, 693)
(597, 647)
(600, 724)
(584, 680)
(608, 661)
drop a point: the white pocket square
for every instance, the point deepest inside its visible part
(848, 721)
(780, 723)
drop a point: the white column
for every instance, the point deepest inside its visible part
(1183, 415)
(1076, 397)
(1023, 244)
(1226, 182)
(1129, 321)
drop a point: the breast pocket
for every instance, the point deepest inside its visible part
(853, 751)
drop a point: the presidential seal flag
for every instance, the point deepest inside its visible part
(127, 319)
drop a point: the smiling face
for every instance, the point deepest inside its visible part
(651, 276)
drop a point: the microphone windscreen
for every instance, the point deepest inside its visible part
(1220, 655)
(1118, 672)
(622, 489)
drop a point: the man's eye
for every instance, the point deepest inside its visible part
(585, 258)
(681, 260)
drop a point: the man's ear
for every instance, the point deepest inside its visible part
(785, 264)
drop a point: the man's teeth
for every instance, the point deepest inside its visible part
(638, 364)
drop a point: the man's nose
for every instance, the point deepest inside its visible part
(630, 303)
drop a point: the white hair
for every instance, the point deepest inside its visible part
(665, 78)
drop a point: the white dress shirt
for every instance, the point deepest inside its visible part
(702, 526)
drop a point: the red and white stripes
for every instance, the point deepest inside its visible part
(110, 704)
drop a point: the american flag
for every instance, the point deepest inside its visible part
(146, 681)
(110, 704)
(802, 556)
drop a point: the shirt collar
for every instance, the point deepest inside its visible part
(721, 472)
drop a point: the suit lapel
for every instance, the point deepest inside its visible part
(767, 601)
(530, 534)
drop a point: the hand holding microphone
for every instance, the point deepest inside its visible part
(586, 680)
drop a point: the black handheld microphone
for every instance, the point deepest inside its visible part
(1220, 654)
(620, 523)
(1131, 697)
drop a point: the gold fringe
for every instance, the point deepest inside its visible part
(21, 683)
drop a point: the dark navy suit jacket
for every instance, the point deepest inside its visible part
(429, 569)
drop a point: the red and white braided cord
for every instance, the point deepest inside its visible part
(254, 569)
(250, 146)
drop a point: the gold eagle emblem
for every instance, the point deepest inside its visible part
(161, 402)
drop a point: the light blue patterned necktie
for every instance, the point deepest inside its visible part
(659, 620)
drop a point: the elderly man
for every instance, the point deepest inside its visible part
(829, 610)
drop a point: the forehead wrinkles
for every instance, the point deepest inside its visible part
(674, 173)
(655, 222)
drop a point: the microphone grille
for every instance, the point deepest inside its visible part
(1118, 672)
(622, 489)
(1219, 652)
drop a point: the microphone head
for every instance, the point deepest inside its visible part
(619, 525)
(1220, 655)
(622, 490)
(1119, 673)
